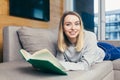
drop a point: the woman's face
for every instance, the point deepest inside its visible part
(71, 26)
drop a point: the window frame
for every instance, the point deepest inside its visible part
(101, 20)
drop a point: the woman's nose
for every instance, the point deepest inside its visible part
(73, 26)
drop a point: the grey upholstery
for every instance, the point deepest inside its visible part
(15, 68)
(11, 44)
(19, 70)
(34, 39)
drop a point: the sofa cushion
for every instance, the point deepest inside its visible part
(17, 70)
(34, 39)
(116, 64)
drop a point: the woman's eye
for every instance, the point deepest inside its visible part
(68, 24)
(77, 24)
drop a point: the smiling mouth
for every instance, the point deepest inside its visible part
(73, 33)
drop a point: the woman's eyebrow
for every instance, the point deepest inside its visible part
(77, 21)
(67, 22)
(71, 22)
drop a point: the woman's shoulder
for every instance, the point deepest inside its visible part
(90, 38)
(89, 33)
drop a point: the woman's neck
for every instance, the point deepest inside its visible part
(73, 41)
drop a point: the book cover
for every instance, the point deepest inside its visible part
(44, 60)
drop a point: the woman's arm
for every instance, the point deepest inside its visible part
(91, 52)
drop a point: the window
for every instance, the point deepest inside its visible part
(107, 19)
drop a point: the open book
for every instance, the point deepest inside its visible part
(44, 61)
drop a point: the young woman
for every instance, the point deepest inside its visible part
(77, 48)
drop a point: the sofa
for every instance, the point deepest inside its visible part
(14, 67)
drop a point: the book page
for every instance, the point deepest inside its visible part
(25, 54)
(44, 60)
(48, 56)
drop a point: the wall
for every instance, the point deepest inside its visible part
(56, 10)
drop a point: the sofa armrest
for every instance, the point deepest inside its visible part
(113, 42)
(11, 44)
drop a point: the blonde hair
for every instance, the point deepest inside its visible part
(63, 41)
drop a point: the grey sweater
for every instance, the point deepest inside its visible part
(90, 54)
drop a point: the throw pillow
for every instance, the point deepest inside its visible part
(34, 39)
(111, 51)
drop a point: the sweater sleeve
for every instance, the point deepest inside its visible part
(91, 52)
